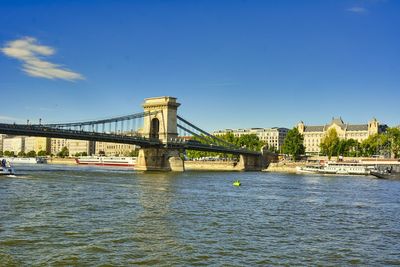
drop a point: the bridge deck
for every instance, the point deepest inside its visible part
(44, 131)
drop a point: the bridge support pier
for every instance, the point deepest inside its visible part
(159, 159)
(250, 163)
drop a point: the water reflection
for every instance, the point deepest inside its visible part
(156, 234)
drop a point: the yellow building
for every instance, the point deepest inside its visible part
(37, 144)
(313, 135)
(14, 144)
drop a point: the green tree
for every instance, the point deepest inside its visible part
(330, 144)
(250, 141)
(293, 144)
(42, 153)
(352, 148)
(133, 153)
(9, 153)
(393, 135)
(375, 144)
(31, 154)
(63, 153)
(21, 154)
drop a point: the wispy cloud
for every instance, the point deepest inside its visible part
(358, 10)
(30, 52)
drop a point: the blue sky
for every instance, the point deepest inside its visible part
(232, 64)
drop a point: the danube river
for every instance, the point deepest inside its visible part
(80, 216)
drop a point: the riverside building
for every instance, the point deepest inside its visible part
(14, 144)
(313, 135)
(37, 144)
(74, 146)
(113, 149)
(273, 137)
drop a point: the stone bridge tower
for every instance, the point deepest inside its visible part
(161, 125)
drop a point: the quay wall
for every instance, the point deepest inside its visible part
(67, 161)
(287, 167)
(210, 165)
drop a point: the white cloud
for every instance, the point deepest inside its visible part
(357, 9)
(31, 53)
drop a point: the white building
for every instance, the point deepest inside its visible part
(273, 137)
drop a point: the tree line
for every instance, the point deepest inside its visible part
(383, 144)
(248, 141)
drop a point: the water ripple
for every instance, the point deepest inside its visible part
(108, 217)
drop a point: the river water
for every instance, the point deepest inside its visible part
(82, 216)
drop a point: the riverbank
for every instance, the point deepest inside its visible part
(284, 167)
(210, 165)
(66, 161)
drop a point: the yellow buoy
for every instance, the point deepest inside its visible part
(237, 183)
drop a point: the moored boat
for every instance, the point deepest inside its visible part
(309, 169)
(107, 161)
(344, 168)
(387, 172)
(15, 160)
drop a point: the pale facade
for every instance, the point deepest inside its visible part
(79, 146)
(37, 144)
(14, 144)
(273, 137)
(74, 146)
(313, 135)
(57, 145)
(113, 149)
(1, 141)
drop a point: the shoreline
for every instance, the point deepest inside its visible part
(66, 161)
(282, 167)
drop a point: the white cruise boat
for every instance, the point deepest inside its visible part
(345, 168)
(15, 160)
(107, 161)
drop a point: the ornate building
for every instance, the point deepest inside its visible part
(313, 135)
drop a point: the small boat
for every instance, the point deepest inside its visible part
(6, 168)
(237, 183)
(387, 172)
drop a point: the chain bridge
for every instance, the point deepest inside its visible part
(159, 131)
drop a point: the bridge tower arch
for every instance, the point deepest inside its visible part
(155, 128)
(161, 123)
